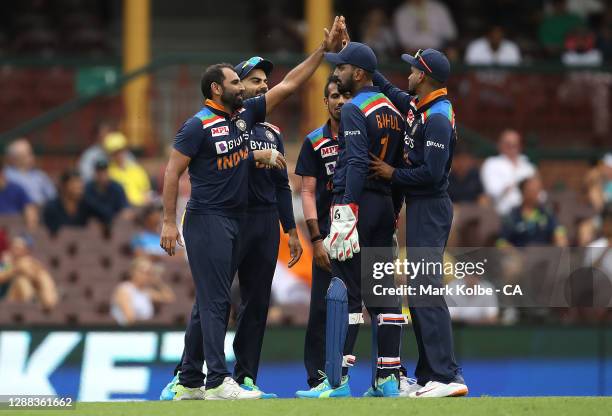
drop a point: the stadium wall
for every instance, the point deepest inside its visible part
(115, 364)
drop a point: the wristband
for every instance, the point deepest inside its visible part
(317, 238)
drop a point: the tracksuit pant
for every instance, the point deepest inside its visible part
(428, 224)
(259, 239)
(212, 248)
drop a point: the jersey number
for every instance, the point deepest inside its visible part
(383, 152)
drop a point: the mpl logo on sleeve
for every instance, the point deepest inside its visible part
(220, 131)
(221, 147)
(329, 151)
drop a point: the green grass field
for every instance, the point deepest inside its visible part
(488, 406)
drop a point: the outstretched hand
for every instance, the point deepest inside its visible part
(333, 41)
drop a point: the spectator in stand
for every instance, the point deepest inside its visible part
(580, 49)
(20, 169)
(604, 34)
(133, 300)
(14, 200)
(128, 173)
(95, 152)
(377, 34)
(422, 24)
(556, 25)
(599, 185)
(530, 224)
(464, 184)
(70, 207)
(146, 241)
(23, 278)
(105, 196)
(493, 49)
(501, 174)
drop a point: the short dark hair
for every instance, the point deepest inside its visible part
(332, 79)
(522, 184)
(69, 174)
(213, 73)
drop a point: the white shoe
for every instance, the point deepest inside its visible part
(186, 393)
(230, 390)
(407, 386)
(437, 389)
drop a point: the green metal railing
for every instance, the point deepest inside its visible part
(482, 146)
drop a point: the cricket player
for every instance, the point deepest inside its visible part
(430, 140)
(315, 164)
(214, 145)
(269, 199)
(369, 123)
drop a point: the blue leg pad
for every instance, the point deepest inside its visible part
(335, 330)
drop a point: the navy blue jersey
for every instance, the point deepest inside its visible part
(318, 159)
(269, 187)
(217, 144)
(369, 123)
(430, 140)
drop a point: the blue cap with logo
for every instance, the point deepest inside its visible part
(434, 63)
(256, 62)
(356, 54)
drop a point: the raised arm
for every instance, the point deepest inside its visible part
(301, 73)
(400, 98)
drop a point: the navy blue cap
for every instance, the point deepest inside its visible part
(434, 63)
(256, 62)
(356, 54)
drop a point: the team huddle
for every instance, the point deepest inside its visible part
(381, 148)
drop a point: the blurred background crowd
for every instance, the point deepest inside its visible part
(80, 204)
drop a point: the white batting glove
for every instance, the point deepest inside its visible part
(343, 239)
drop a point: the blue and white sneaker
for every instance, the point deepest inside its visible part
(167, 393)
(408, 386)
(249, 385)
(326, 391)
(385, 387)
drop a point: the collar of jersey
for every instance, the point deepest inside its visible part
(430, 98)
(327, 131)
(214, 106)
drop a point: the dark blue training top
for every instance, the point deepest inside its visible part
(318, 159)
(269, 187)
(217, 144)
(13, 199)
(430, 140)
(369, 123)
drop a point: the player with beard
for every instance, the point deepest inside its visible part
(316, 163)
(213, 144)
(369, 123)
(269, 199)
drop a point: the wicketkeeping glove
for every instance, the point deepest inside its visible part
(343, 239)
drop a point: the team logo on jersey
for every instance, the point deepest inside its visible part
(409, 141)
(330, 167)
(221, 147)
(329, 151)
(219, 131)
(241, 124)
(269, 135)
(410, 118)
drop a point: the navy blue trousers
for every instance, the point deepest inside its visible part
(314, 342)
(375, 225)
(428, 224)
(259, 239)
(212, 248)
